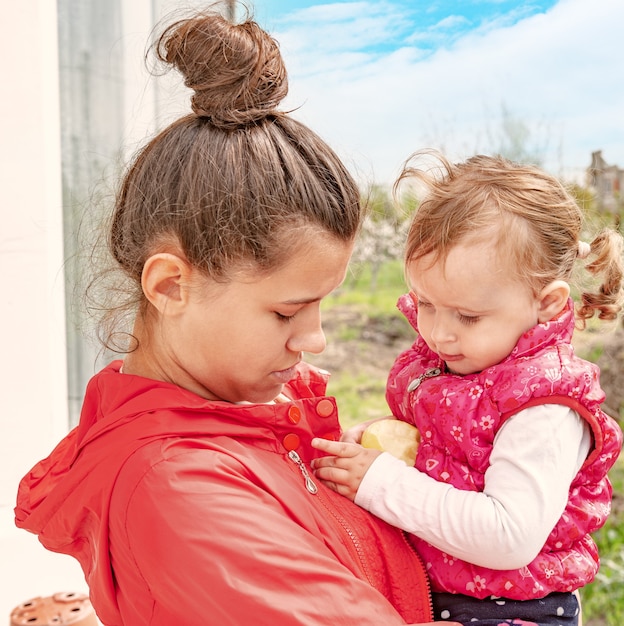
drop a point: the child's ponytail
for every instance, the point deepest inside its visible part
(607, 249)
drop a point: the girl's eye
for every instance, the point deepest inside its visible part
(424, 305)
(468, 319)
(284, 318)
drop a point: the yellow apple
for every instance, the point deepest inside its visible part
(394, 436)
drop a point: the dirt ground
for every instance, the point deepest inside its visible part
(611, 363)
(360, 344)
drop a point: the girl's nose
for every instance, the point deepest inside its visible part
(441, 331)
(308, 336)
(314, 342)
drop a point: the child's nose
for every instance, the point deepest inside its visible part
(442, 331)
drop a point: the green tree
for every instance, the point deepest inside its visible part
(514, 140)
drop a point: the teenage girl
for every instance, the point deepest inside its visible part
(185, 491)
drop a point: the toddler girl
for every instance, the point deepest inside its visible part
(510, 476)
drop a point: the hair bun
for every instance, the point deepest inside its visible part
(235, 70)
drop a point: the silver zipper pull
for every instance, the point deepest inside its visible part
(309, 483)
(430, 373)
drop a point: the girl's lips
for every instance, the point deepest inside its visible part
(286, 375)
(451, 357)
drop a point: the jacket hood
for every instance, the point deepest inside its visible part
(65, 498)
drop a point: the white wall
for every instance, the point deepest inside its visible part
(33, 397)
(33, 367)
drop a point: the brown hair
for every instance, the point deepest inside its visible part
(227, 184)
(534, 221)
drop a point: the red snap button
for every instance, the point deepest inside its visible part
(294, 414)
(325, 408)
(291, 441)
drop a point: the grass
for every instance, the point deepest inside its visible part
(603, 600)
(357, 290)
(360, 397)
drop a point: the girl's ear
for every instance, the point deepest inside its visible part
(164, 280)
(552, 300)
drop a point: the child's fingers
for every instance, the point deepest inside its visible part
(353, 434)
(336, 479)
(322, 462)
(335, 448)
(332, 462)
(331, 474)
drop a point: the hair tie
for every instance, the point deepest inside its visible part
(583, 249)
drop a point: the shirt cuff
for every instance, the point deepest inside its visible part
(378, 474)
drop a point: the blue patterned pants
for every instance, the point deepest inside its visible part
(556, 609)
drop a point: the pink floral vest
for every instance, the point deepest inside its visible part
(456, 445)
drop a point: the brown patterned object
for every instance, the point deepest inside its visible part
(57, 610)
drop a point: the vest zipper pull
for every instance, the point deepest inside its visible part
(430, 373)
(309, 483)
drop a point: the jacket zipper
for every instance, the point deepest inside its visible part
(313, 489)
(430, 373)
(357, 551)
(354, 542)
(424, 569)
(310, 485)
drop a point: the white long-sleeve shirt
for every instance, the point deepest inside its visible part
(535, 457)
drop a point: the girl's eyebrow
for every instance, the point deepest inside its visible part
(301, 301)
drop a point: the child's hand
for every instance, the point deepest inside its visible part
(344, 470)
(354, 434)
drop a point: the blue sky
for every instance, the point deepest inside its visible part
(379, 80)
(428, 25)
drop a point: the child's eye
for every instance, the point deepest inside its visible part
(468, 319)
(424, 305)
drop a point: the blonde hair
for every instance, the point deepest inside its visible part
(535, 223)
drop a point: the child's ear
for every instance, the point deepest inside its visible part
(164, 280)
(552, 300)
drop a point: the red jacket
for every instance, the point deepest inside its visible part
(189, 512)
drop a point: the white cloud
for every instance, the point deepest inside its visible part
(559, 73)
(330, 28)
(451, 22)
